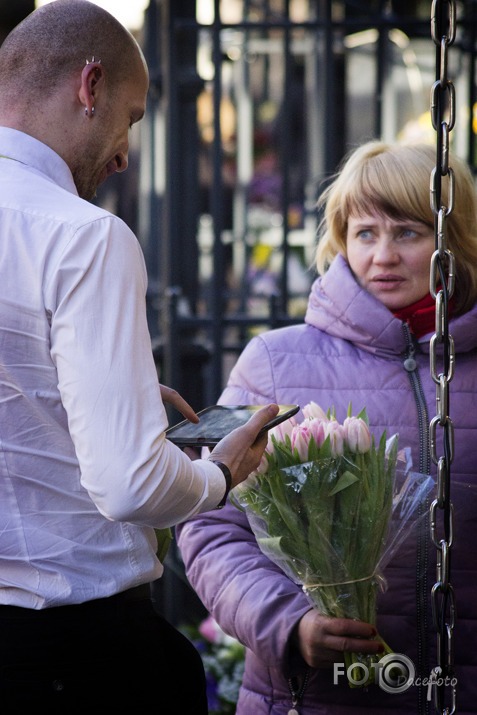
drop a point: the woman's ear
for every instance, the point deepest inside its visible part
(92, 80)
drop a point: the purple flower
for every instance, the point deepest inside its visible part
(212, 693)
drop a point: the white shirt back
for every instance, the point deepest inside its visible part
(85, 471)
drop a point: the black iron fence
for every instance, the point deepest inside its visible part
(253, 104)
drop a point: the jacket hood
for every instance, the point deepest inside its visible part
(341, 308)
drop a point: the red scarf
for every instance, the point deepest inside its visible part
(421, 316)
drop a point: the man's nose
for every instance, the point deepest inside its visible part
(121, 161)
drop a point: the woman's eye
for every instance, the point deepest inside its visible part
(365, 234)
(408, 233)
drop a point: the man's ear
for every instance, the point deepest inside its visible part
(92, 80)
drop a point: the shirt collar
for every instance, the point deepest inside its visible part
(32, 152)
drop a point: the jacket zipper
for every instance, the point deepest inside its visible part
(297, 691)
(410, 365)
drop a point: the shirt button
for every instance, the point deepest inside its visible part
(58, 685)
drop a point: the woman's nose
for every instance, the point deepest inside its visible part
(386, 251)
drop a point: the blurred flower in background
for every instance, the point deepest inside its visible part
(224, 661)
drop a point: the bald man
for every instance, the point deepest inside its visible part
(86, 473)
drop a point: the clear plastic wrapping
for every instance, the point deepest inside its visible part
(334, 521)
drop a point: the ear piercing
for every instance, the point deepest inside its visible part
(90, 62)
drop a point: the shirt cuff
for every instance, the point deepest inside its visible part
(216, 484)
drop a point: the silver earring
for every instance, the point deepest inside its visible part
(86, 111)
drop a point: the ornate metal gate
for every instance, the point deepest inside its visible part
(253, 104)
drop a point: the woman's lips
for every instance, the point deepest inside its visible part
(388, 282)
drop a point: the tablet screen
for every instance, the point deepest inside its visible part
(217, 421)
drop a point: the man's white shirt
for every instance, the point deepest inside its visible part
(85, 470)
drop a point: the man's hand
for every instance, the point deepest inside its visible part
(242, 449)
(173, 398)
(322, 641)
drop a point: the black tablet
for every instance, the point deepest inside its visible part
(218, 420)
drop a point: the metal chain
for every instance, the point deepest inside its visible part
(442, 282)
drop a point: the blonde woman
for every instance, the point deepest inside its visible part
(365, 339)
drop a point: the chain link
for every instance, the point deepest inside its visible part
(442, 281)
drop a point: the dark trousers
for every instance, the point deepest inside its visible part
(114, 655)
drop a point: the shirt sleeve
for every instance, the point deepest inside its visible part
(107, 379)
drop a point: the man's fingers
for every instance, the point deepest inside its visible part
(240, 450)
(193, 454)
(173, 398)
(260, 418)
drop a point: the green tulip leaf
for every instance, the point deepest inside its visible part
(345, 480)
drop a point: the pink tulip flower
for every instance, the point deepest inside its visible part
(281, 430)
(212, 632)
(357, 435)
(336, 433)
(312, 410)
(317, 428)
(209, 629)
(300, 439)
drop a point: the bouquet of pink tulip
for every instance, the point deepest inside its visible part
(321, 505)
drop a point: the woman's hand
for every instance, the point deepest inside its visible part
(322, 641)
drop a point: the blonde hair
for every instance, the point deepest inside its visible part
(394, 180)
